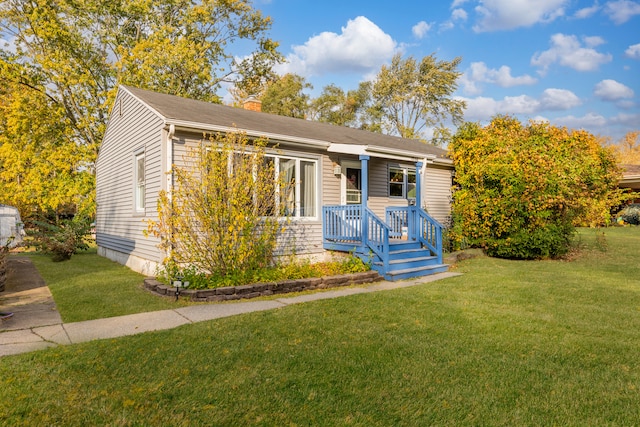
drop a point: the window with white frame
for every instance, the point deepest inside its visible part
(298, 196)
(402, 182)
(139, 182)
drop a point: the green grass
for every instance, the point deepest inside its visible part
(508, 343)
(92, 287)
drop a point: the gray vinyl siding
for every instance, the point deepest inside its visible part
(132, 127)
(330, 181)
(437, 193)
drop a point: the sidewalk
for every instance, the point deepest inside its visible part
(51, 332)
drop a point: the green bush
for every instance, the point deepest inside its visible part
(64, 239)
(630, 214)
(551, 241)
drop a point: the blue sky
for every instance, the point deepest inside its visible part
(574, 63)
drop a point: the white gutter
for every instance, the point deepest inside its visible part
(191, 126)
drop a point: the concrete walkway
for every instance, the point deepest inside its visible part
(37, 325)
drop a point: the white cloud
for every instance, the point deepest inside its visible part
(420, 29)
(478, 72)
(633, 51)
(362, 46)
(499, 15)
(593, 41)
(483, 108)
(459, 15)
(587, 12)
(457, 3)
(611, 90)
(625, 119)
(588, 121)
(569, 52)
(621, 11)
(558, 99)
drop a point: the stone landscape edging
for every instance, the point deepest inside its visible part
(231, 293)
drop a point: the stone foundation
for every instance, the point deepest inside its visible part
(232, 293)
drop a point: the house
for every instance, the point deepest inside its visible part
(631, 179)
(356, 190)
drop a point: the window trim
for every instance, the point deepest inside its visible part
(406, 171)
(139, 187)
(298, 183)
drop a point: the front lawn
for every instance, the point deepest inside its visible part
(89, 286)
(508, 343)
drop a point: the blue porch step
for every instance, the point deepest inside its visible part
(408, 260)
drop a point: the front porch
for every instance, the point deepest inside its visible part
(406, 244)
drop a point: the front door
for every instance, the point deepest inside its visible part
(351, 191)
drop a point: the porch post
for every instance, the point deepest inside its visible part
(418, 185)
(364, 194)
(364, 185)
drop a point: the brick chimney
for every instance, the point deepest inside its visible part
(252, 104)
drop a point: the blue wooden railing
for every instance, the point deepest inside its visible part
(342, 223)
(420, 226)
(358, 227)
(377, 237)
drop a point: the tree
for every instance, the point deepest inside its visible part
(341, 108)
(41, 170)
(412, 97)
(628, 149)
(221, 216)
(286, 97)
(522, 189)
(75, 53)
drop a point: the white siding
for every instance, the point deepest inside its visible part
(437, 193)
(119, 228)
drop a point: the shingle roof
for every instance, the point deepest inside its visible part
(198, 112)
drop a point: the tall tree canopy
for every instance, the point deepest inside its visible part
(285, 97)
(411, 97)
(336, 106)
(407, 98)
(522, 189)
(73, 54)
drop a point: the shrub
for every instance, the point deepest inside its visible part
(221, 216)
(522, 189)
(296, 269)
(64, 239)
(630, 214)
(551, 241)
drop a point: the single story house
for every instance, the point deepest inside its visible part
(356, 190)
(631, 179)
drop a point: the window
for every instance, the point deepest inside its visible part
(402, 182)
(299, 195)
(139, 182)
